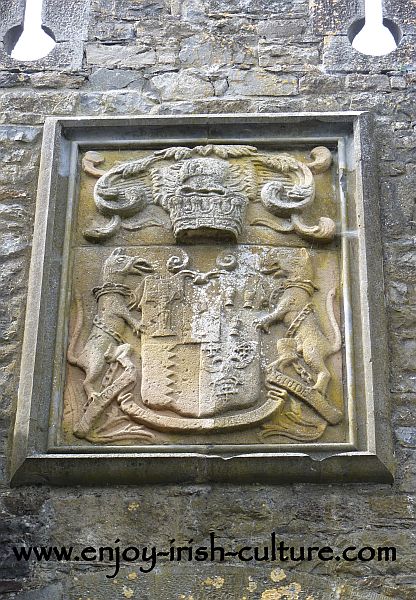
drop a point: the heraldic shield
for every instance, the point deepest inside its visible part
(200, 346)
(215, 307)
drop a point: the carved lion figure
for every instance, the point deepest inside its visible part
(304, 336)
(112, 317)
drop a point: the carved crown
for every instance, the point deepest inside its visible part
(203, 204)
(204, 174)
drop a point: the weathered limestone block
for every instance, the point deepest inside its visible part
(367, 82)
(321, 84)
(113, 102)
(402, 13)
(260, 83)
(74, 27)
(119, 56)
(278, 28)
(334, 17)
(24, 107)
(340, 57)
(182, 85)
(200, 51)
(11, 79)
(116, 79)
(398, 83)
(283, 57)
(289, 8)
(57, 80)
(111, 30)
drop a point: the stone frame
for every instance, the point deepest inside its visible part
(367, 457)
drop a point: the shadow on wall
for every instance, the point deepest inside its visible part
(372, 35)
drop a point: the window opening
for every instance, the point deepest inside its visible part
(30, 40)
(374, 35)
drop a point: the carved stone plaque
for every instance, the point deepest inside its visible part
(209, 303)
(204, 315)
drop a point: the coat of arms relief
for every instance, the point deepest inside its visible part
(206, 298)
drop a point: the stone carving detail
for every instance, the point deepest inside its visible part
(106, 347)
(302, 351)
(90, 161)
(205, 194)
(225, 338)
(197, 363)
(290, 203)
(194, 352)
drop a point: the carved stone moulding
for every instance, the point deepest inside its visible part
(205, 303)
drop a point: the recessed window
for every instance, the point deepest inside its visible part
(374, 35)
(30, 40)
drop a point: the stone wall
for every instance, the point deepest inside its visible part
(125, 57)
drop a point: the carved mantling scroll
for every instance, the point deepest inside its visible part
(205, 195)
